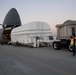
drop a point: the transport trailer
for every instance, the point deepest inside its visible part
(29, 34)
(64, 32)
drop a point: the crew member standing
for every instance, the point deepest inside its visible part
(73, 44)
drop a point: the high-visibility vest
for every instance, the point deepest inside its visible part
(72, 42)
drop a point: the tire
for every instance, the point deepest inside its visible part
(70, 48)
(56, 46)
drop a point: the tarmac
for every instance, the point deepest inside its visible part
(36, 61)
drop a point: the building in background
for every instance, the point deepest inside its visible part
(66, 29)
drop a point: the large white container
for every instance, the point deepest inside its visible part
(28, 33)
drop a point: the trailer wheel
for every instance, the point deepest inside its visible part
(70, 48)
(56, 46)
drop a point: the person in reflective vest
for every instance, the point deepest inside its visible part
(73, 44)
